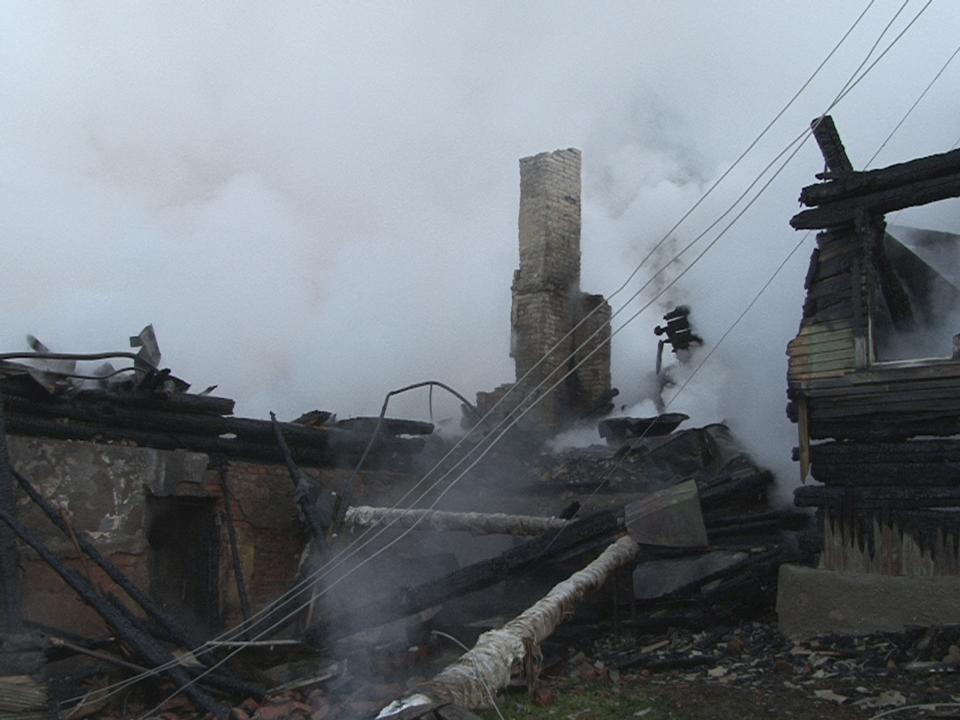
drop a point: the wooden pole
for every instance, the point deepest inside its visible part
(167, 624)
(146, 648)
(235, 547)
(10, 614)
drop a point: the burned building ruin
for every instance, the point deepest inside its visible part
(877, 434)
(555, 327)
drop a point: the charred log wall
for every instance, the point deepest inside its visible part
(883, 460)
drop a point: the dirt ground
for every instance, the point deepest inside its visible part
(743, 670)
(750, 671)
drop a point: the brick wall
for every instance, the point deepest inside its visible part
(548, 279)
(107, 491)
(547, 302)
(593, 376)
(549, 222)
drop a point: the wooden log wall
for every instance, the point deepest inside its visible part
(911, 544)
(199, 423)
(824, 347)
(888, 427)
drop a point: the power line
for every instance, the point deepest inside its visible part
(634, 273)
(913, 107)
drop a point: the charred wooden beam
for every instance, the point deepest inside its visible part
(13, 385)
(865, 498)
(912, 474)
(145, 647)
(876, 410)
(184, 423)
(733, 487)
(235, 547)
(388, 426)
(399, 603)
(22, 424)
(844, 186)
(342, 449)
(725, 526)
(217, 677)
(843, 212)
(914, 451)
(168, 625)
(171, 628)
(828, 139)
(881, 428)
(316, 524)
(10, 616)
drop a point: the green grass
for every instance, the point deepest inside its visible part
(579, 700)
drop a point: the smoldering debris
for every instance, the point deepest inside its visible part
(353, 661)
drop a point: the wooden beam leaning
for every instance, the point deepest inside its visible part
(9, 572)
(170, 627)
(234, 547)
(146, 648)
(301, 487)
(828, 139)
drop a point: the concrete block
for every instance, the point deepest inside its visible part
(813, 601)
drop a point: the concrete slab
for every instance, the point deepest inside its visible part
(812, 601)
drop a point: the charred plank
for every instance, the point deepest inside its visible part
(399, 603)
(911, 194)
(844, 186)
(154, 655)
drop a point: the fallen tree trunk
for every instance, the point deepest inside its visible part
(364, 516)
(478, 673)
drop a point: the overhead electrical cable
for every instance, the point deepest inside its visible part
(848, 86)
(912, 108)
(670, 232)
(701, 254)
(635, 315)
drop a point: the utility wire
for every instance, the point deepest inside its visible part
(710, 190)
(635, 315)
(848, 87)
(912, 108)
(668, 263)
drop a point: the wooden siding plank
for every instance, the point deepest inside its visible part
(837, 328)
(823, 357)
(798, 348)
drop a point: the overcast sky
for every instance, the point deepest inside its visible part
(314, 203)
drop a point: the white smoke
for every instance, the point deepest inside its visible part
(316, 203)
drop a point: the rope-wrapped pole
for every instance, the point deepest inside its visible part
(364, 516)
(471, 680)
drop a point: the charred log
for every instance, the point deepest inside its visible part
(153, 654)
(402, 602)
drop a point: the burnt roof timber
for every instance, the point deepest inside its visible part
(842, 186)
(920, 192)
(827, 137)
